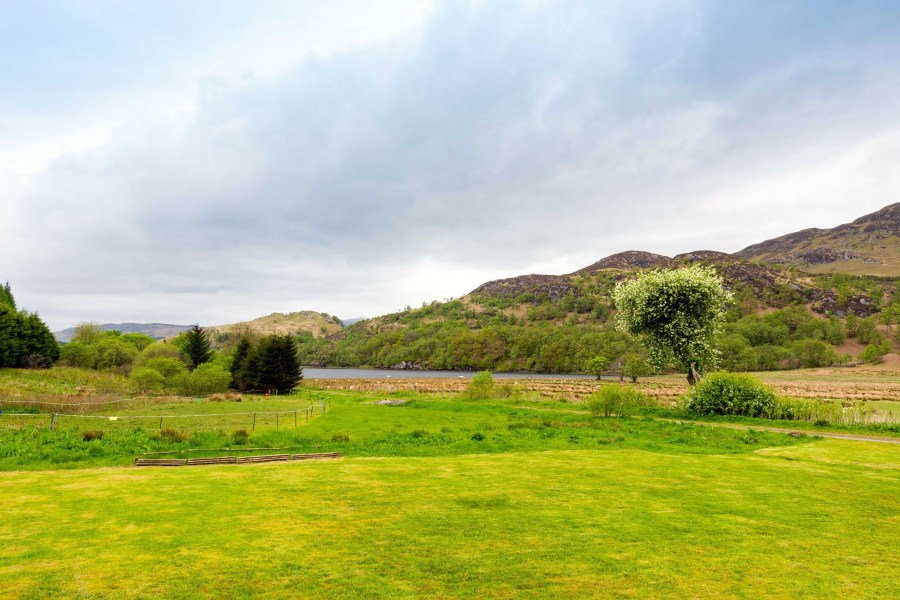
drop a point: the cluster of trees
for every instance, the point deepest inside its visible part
(25, 340)
(530, 332)
(270, 363)
(186, 365)
(452, 345)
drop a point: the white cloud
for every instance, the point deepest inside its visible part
(356, 165)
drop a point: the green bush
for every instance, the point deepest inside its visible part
(481, 387)
(159, 350)
(167, 367)
(510, 391)
(616, 399)
(114, 353)
(144, 380)
(730, 394)
(78, 354)
(208, 378)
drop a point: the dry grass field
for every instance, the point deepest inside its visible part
(863, 383)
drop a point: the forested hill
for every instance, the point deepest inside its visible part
(780, 318)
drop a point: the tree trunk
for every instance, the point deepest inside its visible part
(693, 376)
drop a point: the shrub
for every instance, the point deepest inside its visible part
(240, 437)
(89, 436)
(78, 354)
(730, 394)
(340, 437)
(171, 435)
(615, 399)
(875, 353)
(144, 380)
(159, 350)
(481, 387)
(510, 391)
(114, 353)
(167, 367)
(477, 437)
(208, 378)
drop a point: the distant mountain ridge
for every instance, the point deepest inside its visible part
(316, 323)
(154, 330)
(870, 245)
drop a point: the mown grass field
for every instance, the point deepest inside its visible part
(443, 497)
(819, 519)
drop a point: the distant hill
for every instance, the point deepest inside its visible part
(318, 324)
(780, 318)
(154, 330)
(869, 245)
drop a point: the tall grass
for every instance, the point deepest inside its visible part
(827, 412)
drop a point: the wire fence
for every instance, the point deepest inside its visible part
(250, 420)
(87, 405)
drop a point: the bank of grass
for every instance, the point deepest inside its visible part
(810, 428)
(358, 425)
(59, 381)
(815, 520)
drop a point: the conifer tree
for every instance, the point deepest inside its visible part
(239, 365)
(276, 365)
(25, 340)
(196, 347)
(6, 296)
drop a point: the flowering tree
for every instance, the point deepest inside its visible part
(677, 313)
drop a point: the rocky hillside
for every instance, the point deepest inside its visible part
(769, 287)
(869, 245)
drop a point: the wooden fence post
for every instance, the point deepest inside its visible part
(295, 419)
(160, 423)
(52, 420)
(254, 422)
(276, 419)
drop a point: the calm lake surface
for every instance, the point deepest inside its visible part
(317, 373)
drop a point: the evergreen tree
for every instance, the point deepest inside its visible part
(240, 379)
(6, 296)
(25, 340)
(196, 347)
(276, 365)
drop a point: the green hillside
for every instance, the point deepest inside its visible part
(780, 318)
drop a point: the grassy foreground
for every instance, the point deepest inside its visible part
(820, 519)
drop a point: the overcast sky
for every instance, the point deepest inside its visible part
(216, 161)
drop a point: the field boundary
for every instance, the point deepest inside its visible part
(853, 437)
(291, 417)
(232, 460)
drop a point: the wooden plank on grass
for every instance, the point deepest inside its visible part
(318, 455)
(213, 460)
(160, 462)
(263, 458)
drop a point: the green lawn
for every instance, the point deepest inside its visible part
(787, 522)
(448, 498)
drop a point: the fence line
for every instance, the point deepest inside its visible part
(307, 412)
(130, 398)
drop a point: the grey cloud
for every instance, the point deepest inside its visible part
(498, 135)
